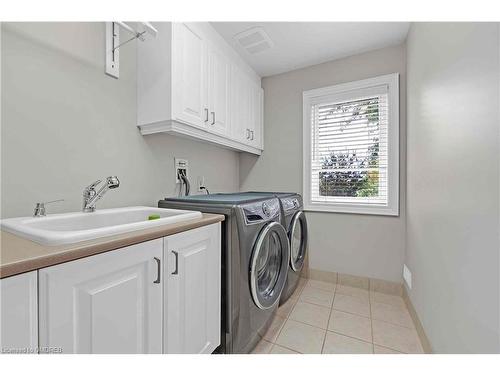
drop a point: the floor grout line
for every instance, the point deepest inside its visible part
(355, 338)
(386, 347)
(316, 288)
(371, 315)
(314, 304)
(350, 312)
(293, 350)
(328, 323)
(395, 324)
(307, 324)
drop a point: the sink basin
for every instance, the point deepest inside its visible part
(74, 227)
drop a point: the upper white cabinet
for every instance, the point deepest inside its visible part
(192, 291)
(19, 314)
(187, 78)
(106, 303)
(189, 74)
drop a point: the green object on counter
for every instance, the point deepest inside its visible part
(153, 217)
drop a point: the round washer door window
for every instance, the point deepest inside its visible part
(269, 265)
(298, 241)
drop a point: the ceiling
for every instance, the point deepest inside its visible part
(300, 44)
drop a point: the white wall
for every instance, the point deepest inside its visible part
(453, 183)
(64, 124)
(362, 245)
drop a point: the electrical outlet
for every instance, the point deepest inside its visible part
(201, 182)
(180, 165)
(407, 275)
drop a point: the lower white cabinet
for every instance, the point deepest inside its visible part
(192, 292)
(159, 296)
(18, 314)
(106, 303)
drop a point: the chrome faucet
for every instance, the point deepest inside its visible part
(91, 196)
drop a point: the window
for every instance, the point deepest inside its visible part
(351, 147)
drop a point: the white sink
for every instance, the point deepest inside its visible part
(74, 227)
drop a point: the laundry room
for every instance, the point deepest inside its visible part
(245, 185)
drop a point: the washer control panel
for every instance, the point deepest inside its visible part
(261, 211)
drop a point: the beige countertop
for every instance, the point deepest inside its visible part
(18, 255)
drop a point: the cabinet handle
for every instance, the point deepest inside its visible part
(248, 133)
(213, 118)
(251, 131)
(206, 114)
(158, 268)
(176, 271)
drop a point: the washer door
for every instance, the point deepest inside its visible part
(269, 265)
(298, 241)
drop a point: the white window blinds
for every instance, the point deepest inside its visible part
(350, 150)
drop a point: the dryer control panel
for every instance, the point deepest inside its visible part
(261, 211)
(290, 204)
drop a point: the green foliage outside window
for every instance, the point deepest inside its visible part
(352, 180)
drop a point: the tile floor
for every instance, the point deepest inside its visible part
(328, 318)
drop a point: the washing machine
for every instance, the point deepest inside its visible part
(255, 259)
(295, 223)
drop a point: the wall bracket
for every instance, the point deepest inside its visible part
(113, 42)
(112, 53)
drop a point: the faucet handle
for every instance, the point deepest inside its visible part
(93, 185)
(40, 207)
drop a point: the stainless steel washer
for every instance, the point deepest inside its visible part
(255, 262)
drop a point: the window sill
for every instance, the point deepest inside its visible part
(359, 210)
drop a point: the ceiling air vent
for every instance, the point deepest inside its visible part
(254, 40)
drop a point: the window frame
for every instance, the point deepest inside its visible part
(311, 97)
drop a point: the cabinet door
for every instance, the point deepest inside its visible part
(189, 68)
(260, 118)
(106, 303)
(19, 313)
(255, 116)
(240, 106)
(218, 92)
(193, 291)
